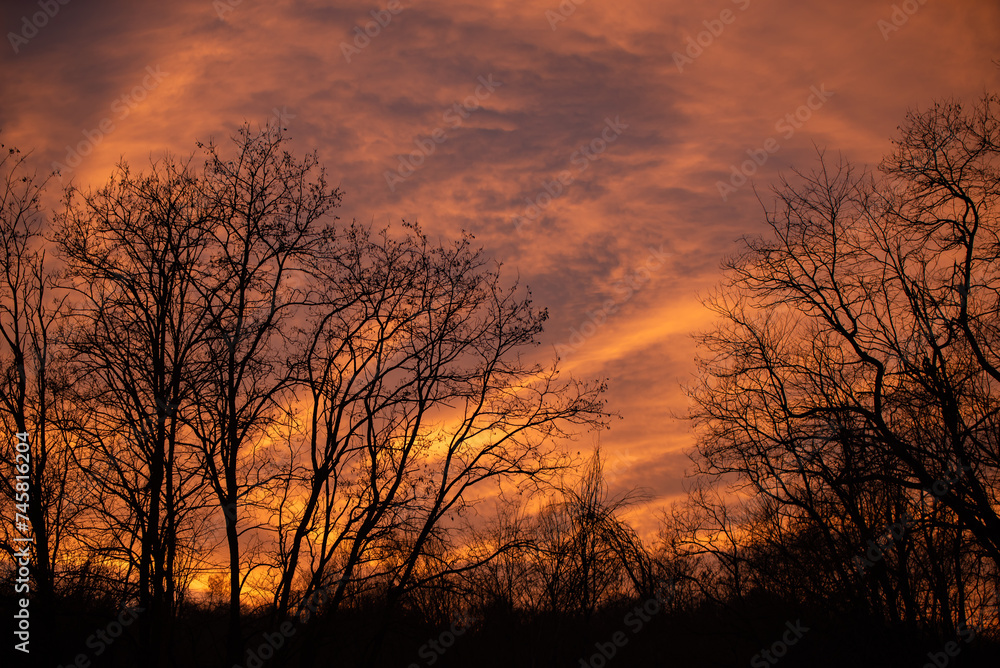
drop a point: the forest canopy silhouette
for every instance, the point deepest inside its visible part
(267, 436)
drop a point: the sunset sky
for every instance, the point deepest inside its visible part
(583, 145)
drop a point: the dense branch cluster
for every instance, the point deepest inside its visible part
(849, 397)
(218, 378)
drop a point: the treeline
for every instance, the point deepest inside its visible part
(848, 399)
(335, 431)
(215, 377)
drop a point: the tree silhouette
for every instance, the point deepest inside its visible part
(851, 382)
(249, 386)
(30, 386)
(287, 438)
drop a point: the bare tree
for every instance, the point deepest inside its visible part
(246, 387)
(135, 252)
(30, 382)
(269, 219)
(417, 401)
(588, 554)
(506, 582)
(853, 377)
